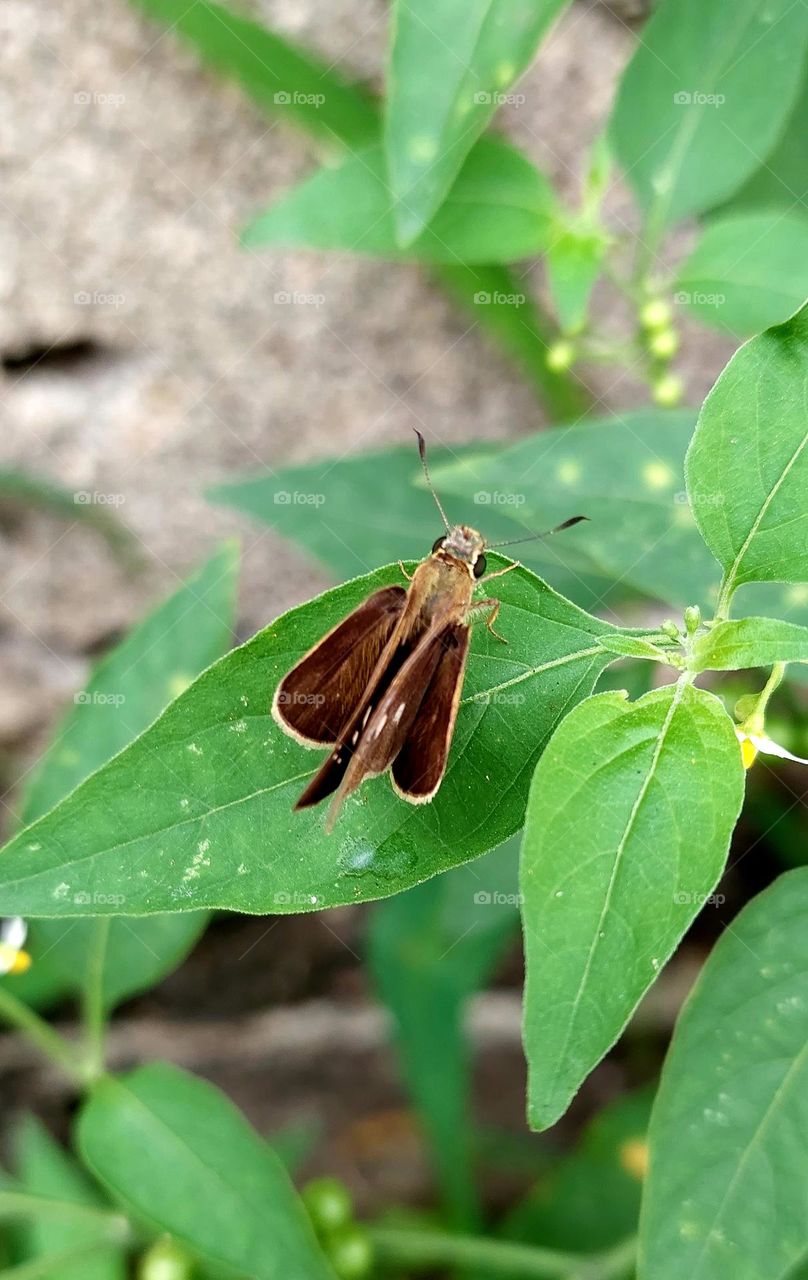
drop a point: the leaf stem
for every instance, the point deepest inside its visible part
(40, 1034)
(93, 1001)
(424, 1250)
(756, 721)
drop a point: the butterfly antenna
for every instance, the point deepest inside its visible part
(565, 524)
(422, 452)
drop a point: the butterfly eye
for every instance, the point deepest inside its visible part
(438, 543)
(479, 566)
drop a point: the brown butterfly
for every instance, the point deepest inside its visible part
(383, 687)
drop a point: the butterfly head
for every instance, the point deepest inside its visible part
(464, 544)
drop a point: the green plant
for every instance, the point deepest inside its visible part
(168, 791)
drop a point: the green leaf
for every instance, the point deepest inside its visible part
(704, 97)
(574, 262)
(21, 490)
(451, 66)
(181, 1158)
(44, 1169)
(779, 182)
(495, 296)
(633, 647)
(747, 467)
(728, 1182)
(374, 507)
(125, 693)
(430, 950)
(236, 842)
(274, 73)
(750, 642)
(626, 474)
(500, 209)
(590, 1200)
(747, 272)
(628, 825)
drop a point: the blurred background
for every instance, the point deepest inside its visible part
(145, 357)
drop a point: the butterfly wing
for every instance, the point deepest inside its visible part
(318, 696)
(420, 764)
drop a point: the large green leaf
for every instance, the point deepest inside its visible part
(127, 690)
(626, 474)
(44, 1169)
(704, 97)
(277, 75)
(197, 812)
(747, 467)
(451, 66)
(780, 182)
(750, 642)
(430, 949)
(728, 1180)
(747, 272)
(374, 507)
(627, 830)
(499, 209)
(181, 1158)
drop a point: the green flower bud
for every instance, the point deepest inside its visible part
(329, 1205)
(165, 1260)
(663, 344)
(667, 390)
(351, 1253)
(560, 356)
(692, 619)
(656, 314)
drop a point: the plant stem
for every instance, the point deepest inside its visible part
(38, 1031)
(429, 1249)
(93, 1000)
(756, 721)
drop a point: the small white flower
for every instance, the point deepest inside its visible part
(13, 959)
(752, 743)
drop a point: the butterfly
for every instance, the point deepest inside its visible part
(382, 689)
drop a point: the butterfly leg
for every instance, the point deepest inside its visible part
(499, 572)
(492, 606)
(408, 576)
